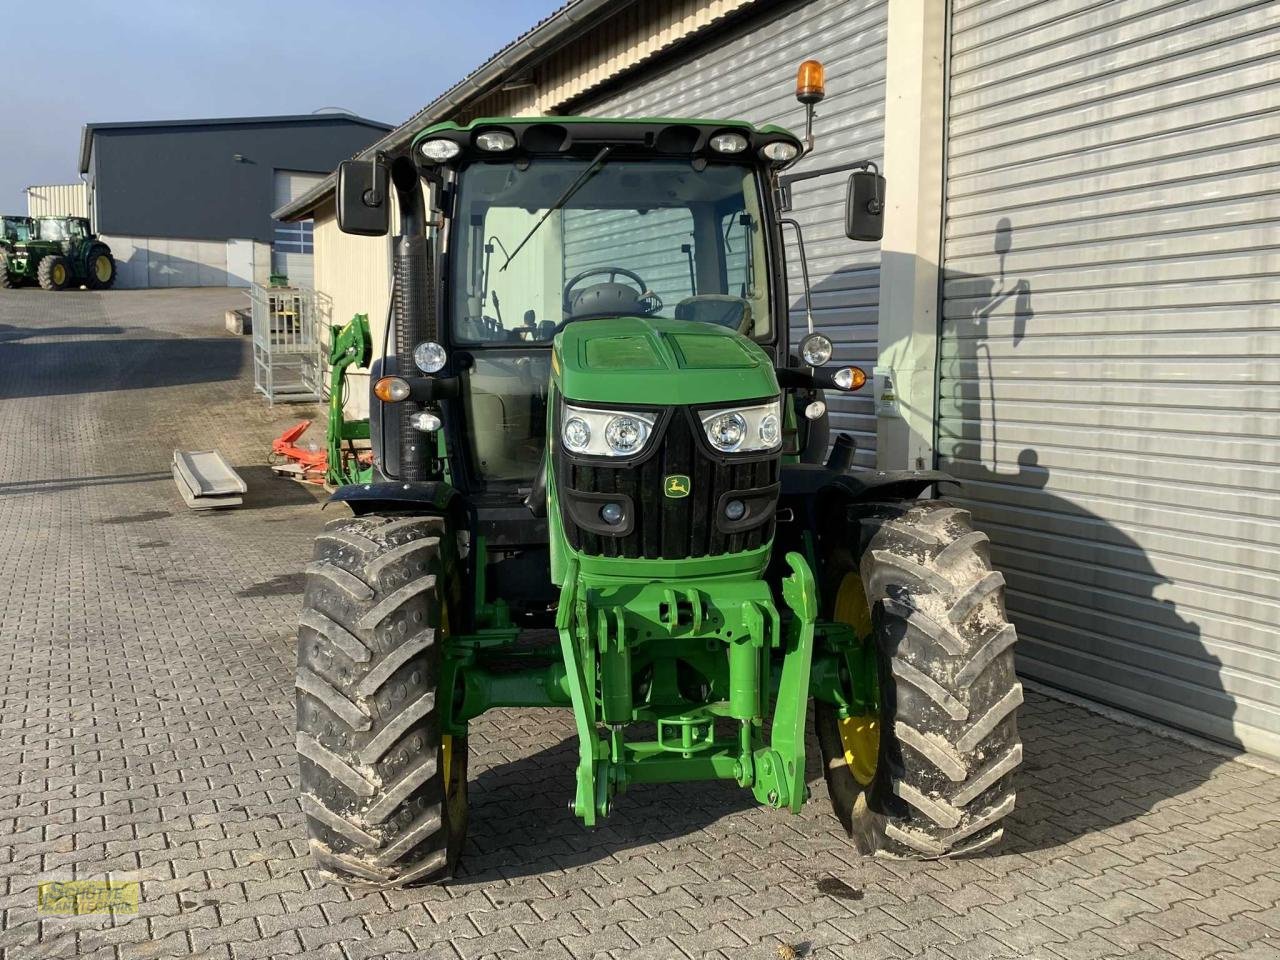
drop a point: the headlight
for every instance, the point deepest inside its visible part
(429, 357)
(495, 141)
(438, 151)
(816, 349)
(744, 429)
(728, 143)
(605, 433)
(779, 151)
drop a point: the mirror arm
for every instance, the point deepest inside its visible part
(804, 269)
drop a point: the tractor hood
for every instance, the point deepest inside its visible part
(649, 361)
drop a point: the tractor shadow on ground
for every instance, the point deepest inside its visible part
(266, 489)
(10, 332)
(1086, 597)
(521, 824)
(119, 363)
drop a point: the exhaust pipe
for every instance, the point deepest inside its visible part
(413, 307)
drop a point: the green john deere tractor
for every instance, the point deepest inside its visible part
(592, 430)
(62, 252)
(14, 230)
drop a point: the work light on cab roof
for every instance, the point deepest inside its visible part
(598, 427)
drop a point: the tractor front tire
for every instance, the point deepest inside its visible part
(54, 273)
(102, 269)
(384, 792)
(940, 779)
(6, 279)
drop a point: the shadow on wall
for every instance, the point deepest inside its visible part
(157, 264)
(1074, 579)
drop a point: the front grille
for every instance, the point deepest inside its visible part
(663, 527)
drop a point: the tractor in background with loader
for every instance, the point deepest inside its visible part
(61, 253)
(639, 466)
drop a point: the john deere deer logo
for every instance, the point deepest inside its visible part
(676, 485)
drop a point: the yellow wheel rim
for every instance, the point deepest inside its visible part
(59, 274)
(446, 740)
(859, 735)
(102, 269)
(446, 760)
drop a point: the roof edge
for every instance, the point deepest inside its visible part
(88, 130)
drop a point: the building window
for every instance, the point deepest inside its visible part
(294, 237)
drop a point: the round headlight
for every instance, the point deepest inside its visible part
(624, 434)
(770, 430)
(727, 431)
(735, 510)
(779, 151)
(611, 513)
(495, 141)
(577, 435)
(728, 143)
(816, 349)
(429, 357)
(815, 410)
(438, 151)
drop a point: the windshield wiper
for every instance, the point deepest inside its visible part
(573, 188)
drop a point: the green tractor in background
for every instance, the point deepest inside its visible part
(14, 229)
(62, 252)
(594, 429)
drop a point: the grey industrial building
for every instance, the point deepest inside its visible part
(1076, 293)
(188, 202)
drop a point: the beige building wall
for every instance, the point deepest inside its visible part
(58, 200)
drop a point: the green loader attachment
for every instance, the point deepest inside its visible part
(604, 481)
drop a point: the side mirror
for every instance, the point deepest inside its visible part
(864, 206)
(364, 198)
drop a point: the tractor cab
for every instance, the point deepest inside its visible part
(65, 230)
(16, 229)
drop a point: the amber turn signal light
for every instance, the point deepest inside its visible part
(850, 378)
(391, 389)
(811, 82)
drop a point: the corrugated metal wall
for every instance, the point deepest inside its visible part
(58, 200)
(750, 75)
(1110, 353)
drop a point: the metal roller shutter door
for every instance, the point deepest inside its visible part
(750, 75)
(291, 239)
(1110, 353)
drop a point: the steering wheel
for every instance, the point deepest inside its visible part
(655, 301)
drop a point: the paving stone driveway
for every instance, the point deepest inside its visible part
(146, 730)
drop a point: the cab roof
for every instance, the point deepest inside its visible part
(666, 136)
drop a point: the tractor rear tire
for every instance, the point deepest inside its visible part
(384, 792)
(54, 273)
(102, 269)
(948, 739)
(6, 280)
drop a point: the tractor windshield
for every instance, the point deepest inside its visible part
(630, 238)
(16, 229)
(53, 228)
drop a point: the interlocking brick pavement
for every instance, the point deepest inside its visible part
(146, 730)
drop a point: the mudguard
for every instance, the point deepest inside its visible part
(432, 497)
(807, 485)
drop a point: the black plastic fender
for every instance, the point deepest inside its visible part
(434, 497)
(806, 487)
